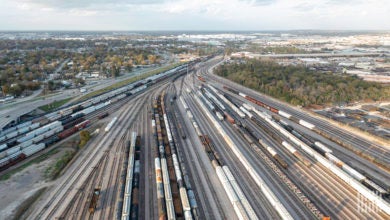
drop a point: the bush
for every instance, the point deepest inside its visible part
(84, 138)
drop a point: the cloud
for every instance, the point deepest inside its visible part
(194, 14)
(71, 4)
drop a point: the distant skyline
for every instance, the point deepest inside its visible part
(194, 15)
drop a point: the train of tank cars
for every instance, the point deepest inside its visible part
(214, 105)
(315, 148)
(281, 125)
(240, 203)
(293, 135)
(25, 139)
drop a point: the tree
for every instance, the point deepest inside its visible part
(139, 59)
(51, 85)
(84, 138)
(5, 89)
(152, 59)
(129, 65)
(114, 70)
(16, 90)
(300, 85)
(228, 51)
(78, 81)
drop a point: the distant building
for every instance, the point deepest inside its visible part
(347, 64)
(101, 43)
(54, 76)
(86, 75)
(66, 83)
(243, 54)
(364, 65)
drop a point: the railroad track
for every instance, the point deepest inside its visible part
(289, 199)
(74, 177)
(321, 185)
(250, 189)
(147, 181)
(109, 185)
(218, 203)
(360, 143)
(143, 126)
(80, 199)
(109, 199)
(93, 182)
(298, 171)
(205, 209)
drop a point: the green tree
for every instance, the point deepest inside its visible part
(115, 70)
(5, 89)
(300, 85)
(84, 138)
(16, 90)
(51, 85)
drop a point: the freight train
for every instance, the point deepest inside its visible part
(245, 131)
(50, 133)
(328, 153)
(240, 203)
(14, 139)
(248, 166)
(317, 146)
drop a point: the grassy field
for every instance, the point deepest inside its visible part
(54, 171)
(54, 105)
(128, 81)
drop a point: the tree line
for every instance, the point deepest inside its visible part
(299, 85)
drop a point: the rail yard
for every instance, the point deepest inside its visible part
(187, 144)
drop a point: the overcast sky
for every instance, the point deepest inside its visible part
(194, 14)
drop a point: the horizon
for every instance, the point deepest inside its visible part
(199, 15)
(200, 30)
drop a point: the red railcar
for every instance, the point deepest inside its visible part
(229, 118)
(67, 132)
(12, 161)
(82, 124)
(274, 110)
(201, 79)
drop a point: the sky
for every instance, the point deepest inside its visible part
(194, 14)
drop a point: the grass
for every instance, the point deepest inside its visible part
(128, 81)
(53, 172)
(54, 105)
(22, 167)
